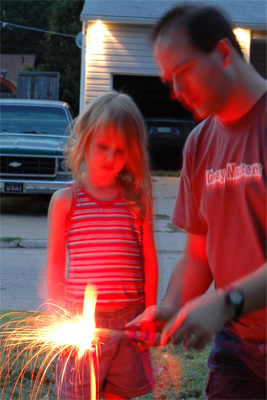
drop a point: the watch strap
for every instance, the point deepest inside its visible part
(231, 294)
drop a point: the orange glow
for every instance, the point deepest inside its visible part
(96, 34)
(34, 341)
(78, 331)
(31, 342)
(243, 37)
(98, 46)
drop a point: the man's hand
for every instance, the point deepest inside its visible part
(197, 321)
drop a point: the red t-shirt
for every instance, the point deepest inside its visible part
(222, 194)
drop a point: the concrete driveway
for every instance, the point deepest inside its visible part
(23, 250)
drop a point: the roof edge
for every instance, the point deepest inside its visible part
(120, 20)
(152, 21)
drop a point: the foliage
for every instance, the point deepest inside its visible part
(162, 172)
(53, 52)
(9, 239)
(28, 68)
(62, 54)
(178, 374)
(23, 12)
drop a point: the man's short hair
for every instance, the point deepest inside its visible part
(205, 25)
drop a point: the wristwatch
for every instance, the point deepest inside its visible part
(235, 298)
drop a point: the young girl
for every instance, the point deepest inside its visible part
(105, 223)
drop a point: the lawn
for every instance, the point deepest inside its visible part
(178, 374)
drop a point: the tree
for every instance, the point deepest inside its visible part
(53, 52)
(15, 40)
(61, 53)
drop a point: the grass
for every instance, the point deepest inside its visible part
(9, 239)
(162, 216)
(178, 374)
(161, 172)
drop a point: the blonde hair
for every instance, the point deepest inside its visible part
(120, 111)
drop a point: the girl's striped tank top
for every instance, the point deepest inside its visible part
(104, 240)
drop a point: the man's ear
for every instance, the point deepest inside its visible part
(225, 49)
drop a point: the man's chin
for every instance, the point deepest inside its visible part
(197, 116)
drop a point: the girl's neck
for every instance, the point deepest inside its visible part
(101, 191)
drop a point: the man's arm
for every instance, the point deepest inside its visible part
(204, 316)
(150, 264)
(254, 289)
(191, 276)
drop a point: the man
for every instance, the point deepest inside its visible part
(221, 202)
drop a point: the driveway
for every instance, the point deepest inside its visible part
(23, 250)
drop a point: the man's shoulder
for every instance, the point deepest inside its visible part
(201, 129)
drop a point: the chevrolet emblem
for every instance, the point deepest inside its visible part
(15, 164)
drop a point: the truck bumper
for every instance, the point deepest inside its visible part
(32, 186)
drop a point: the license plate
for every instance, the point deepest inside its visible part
(164, 129)
(13, 187)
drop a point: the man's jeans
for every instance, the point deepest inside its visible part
(237, 368)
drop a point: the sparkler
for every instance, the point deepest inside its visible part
(32, 343)
(36, 340)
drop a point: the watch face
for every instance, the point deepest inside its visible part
(236, 297)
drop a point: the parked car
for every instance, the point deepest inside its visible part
(166, 139)
(33, 136)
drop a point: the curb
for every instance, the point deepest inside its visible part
(162, 242)
(23, 243)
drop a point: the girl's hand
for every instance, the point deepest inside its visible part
(145, 323)
(150, 324)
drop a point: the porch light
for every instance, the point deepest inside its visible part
(96, 34)
(243, 36)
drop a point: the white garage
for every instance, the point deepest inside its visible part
(117, 53)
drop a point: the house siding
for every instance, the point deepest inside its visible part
(126, 50)
(126, 45)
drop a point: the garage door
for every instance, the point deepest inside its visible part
(258, 55)
(168, 123)
(151, 95)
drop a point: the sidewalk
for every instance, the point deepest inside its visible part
(23, 258)
(28, 227)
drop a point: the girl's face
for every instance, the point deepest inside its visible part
(106, 155)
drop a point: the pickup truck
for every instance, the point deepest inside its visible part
(166, 140)
(33, 136)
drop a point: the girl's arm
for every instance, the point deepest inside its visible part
(150, 264)
(56, 250)
(191, 277)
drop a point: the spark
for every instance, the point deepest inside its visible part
(35, 340)
(32, 344)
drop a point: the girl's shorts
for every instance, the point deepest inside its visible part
(121, 368)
